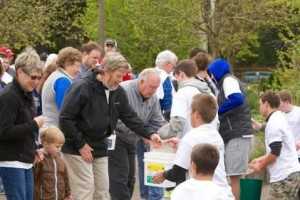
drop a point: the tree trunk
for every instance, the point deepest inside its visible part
(101, 28)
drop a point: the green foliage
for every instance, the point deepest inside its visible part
(143, 28)
(49, 23)
(64, 25)
(22, 23)
(90, 19)
(247, 54)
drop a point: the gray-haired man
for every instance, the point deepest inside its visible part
(142, 98)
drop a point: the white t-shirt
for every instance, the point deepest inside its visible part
(7, 78)
(193, 189)
(181, 106)
(204, 134)
(231, 86)
(277, 130)
(15, 164)
(293, 118)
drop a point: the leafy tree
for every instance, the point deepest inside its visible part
(64, 24)
(51, 24)
(143, 28)
(22, 22)
(232, 25)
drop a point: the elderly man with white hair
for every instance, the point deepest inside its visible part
(142, 98)
(165, 62)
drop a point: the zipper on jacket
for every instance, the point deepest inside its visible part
(55, 178)
(229, 123)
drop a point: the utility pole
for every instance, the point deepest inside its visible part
(101, 27)
(208, 15)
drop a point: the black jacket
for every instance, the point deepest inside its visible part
(86, 117)
(236, 122)
(18, 130)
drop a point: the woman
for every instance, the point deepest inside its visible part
(18, 128)
(57, 84)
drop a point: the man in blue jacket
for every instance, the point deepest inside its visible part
(235, 122)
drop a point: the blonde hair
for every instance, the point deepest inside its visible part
(52, 135)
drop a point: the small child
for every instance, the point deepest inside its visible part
(50, 175)
(204, 161)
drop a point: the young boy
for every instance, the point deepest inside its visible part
(50, 175)
(281, 158)
(292, 113)
(204, 109)
(205, 158)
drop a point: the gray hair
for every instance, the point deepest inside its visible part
(146, 73)
(165, 57)
(114, 60)
(28, 61)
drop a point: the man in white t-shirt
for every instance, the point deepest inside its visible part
(281, 158)
(292, 114)
(204, 161)
(204, 110)
(180, 122)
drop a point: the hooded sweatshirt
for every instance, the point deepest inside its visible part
(234, 112)
(181, 107)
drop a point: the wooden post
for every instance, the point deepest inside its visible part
(101, 28)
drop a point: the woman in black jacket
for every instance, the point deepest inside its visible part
(18, 128)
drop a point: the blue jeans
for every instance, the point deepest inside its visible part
(18, 183)
(147, 192)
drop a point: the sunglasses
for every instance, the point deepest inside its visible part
(32, 77)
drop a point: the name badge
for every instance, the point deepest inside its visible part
(111, 142)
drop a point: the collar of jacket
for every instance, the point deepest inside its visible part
(21, 91)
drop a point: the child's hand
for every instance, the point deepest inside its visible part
(173, 142)
(158, 178)
(39, 156)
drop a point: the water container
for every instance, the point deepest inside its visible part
(157, 162)
(250, 189)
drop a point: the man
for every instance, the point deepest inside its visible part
(165, 62)
(180, 122)
(235, 122)
(281, 155)
(292, 114)
(88, 116)
(92, 55)
(141, 97)
(202, 60)
(110, 45)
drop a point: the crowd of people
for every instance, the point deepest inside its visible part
(71, 127)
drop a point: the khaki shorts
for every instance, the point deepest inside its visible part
(237, 152)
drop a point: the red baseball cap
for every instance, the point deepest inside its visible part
(6, 52)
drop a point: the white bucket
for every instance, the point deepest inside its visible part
(155, 162)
